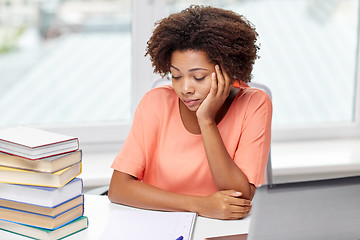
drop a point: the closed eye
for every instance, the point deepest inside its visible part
(199, 79)
(175, 77)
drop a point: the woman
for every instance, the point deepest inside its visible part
(200, 145)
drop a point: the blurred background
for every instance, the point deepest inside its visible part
(78, 67)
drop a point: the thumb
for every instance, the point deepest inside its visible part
(233, 193)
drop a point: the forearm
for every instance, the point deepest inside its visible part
(124, 189)
(226, 174)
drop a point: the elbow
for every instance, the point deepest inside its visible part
(111, 195)
(115, 195)
(247, 192)
(252, 191)
(247, 196)
(114, 187)
(119, 188)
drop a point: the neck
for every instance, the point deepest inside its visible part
(189, 119)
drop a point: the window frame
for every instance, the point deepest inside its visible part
(101, 136)
(108, 136)
(328, 131)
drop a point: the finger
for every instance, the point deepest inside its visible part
(240, 201)
(239, 214)
(214, 84)
(235, 198)
(240, 209)
(226, 77)
(235, 194)
(236, 217)
(228, 82)
(231, 192)
(221, 80)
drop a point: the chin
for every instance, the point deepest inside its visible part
(193, 109)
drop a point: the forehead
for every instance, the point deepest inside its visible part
(190, 58)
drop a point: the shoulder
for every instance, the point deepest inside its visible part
(253, 93)
(159, 93)
(253, 98)
(160, 97)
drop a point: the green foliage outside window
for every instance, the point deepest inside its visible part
(8, 42)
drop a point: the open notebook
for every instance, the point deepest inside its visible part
(150, 225)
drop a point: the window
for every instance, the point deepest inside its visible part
(65, 63)
(78, 66)
(308, 58)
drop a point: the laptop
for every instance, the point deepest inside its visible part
(323, 209)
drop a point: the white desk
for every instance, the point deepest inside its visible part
(98, 210)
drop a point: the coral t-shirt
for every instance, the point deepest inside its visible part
(161, 152)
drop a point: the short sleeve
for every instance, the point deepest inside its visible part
(254, 144)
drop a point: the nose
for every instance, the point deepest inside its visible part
(187, 86)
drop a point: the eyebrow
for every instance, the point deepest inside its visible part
(191, 70)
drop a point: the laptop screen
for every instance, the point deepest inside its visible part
(324, 209)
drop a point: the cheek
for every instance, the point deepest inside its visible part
(176, 87)
(206, 86)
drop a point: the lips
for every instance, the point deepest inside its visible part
(190, 102)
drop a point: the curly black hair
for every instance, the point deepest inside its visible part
(228, 38)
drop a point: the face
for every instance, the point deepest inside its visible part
(191, 76)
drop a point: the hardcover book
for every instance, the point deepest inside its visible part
(39, 220)
(70, 228)
(41, 196)
(49, 164)
(49, 211)
(34, 143)
(26, 177)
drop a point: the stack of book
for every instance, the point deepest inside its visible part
(40, 194)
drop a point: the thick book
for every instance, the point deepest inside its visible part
(26, 177)
(70, 228)
(40, 220)
(49, 164)
(33, 143)
(41, 196)
(49, 211)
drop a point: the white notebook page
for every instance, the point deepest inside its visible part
(150, 225)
